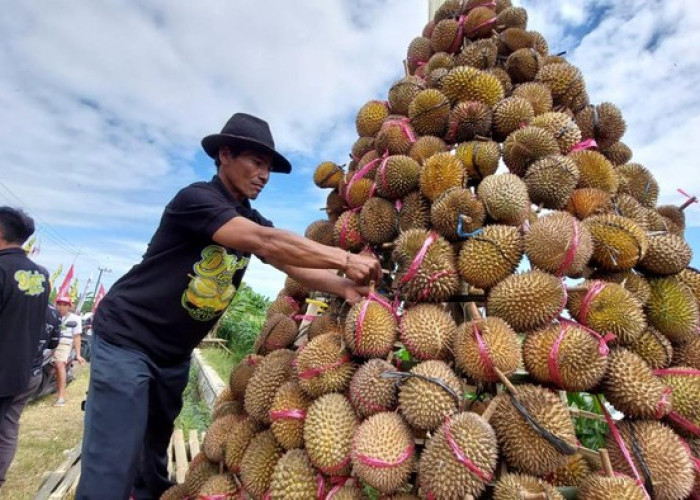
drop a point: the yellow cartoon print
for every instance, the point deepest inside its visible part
(30, 282)
(211, 289)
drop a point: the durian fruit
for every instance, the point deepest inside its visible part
(433, 80)
(446, 36)
(228, 407)
(608, 308)
(362, 146)
(482, 54)
(278, 332)
(324, 366)
(378, 221)
(370, 329)
(503, 77)
(241, 373)
(325, 323)
(667, 254)
(505, 198)
(439, 61)
(512, 39)
(395, 137)
(259, 462)
(610, 488)
(450, 9)
(427, 331)
(523, 447)
(429, 112)
(522, 65)
(632, 281)
(459, 459)
(512, 17)
(328, 175)
(673, 216)
(481, 345)
(512, 486)
(525, 146)
(632, 388)
(688, 353)
(320, 231)
(199, 471)
(439, 173)
(397, 176)
(293, 477)
(559, 244)
(358, 191)
(430, 395)
(346, 233)
(479, 158)
(654, 348)
(451, 206)
(370, 117)
(595, 171)
(429, 275)
(603, 122)
(666, 459)
(561, 126)
(566, 83)
(640, 183)
(348, 491)
(487, 258)
(328, 430)
(237, 440)
(685, 383)
(468, 119)
(402, 93)
(539, 43)
(464, 83)
(618, 153)
(672, 309)
(510, 114)
(283, 304)
(551, 181)
(586, 202)
(175, 492)
(287, 414)
(371, 393)
(419, 51)
(274, 370)
(527, 301)
(414, 212)
(566, 355)
(383, 452)
(573, 473)
(425, 147)
(219, 485)
(335, 205)
(627, 206)
(215, 438)
(618, 242)
(537, 94)
(479, 23)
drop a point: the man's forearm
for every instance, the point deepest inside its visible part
(284, 248)
(321, 280)
(76, 345)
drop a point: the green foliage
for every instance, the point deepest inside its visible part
(242, 321)
(194, 413)
(590, 432)
(221, 360)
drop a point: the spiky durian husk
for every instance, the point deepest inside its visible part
(538, 95)
(425, 147)
(328, 430)
(640, 183)
(562, 127)
(573, 473)
(619, 243)
(603, 122)
(566, 83)
(419, 51)
(346, 232)
(327, 175)
(653, 347)
(370, 118)
(324, 366)
(293, 477)
(551, 181)
(618, 153)
(274, 370)
(482, 54)
(441, 172)
(427, 331)
(688, 354)
(241, 373)
(378, 221)
(505, 198)
(672, 309)
(370, 329)
(611, 488)
(512, 17)
(453, 205)
(586, 202)
(402, 93)
(479, 158)
(414, 212)
(489, 257)
(361, 147)
(595, 171)
(369, 392)
(237, 441)
(320, 231)
(429, 112)
(397, 176)
(667, 254)
(510, 114)
(468, 119)
(464, 83)
(525, 146)
(259, 462)
(512, 485)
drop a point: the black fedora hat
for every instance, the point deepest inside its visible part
(247, 130)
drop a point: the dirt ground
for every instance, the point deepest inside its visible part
(47, 433)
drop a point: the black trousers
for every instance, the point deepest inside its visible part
(131, 406)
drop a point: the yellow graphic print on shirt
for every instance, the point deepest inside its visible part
(30, 282)
(211, 289)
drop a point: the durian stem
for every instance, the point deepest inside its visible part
(490, 410)
(473, 311)
(574, 289)
(687, 203)
(466, 298)
(588, 453)
(527, 495)
(405, 68)
(504, 380)
(389, 244)
(371, 286)
(605, 459)
(465, 218)
(586, 414)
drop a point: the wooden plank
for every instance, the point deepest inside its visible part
(180, 455)
(171, 466)
(66, 483)
(194, 444)
(55, 477)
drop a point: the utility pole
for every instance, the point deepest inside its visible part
(99, 278)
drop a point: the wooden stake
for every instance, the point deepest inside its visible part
(504, 380)
(588, 453)
(605, 459)
(490, 410)
(473, 311)
(586, 414)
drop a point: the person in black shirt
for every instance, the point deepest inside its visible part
(149, 322)
(24, 296)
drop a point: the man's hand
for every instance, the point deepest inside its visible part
(354, 293)
(363, 268)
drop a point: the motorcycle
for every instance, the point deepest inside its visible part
(49, 382)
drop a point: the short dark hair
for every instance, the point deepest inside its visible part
(234, 149)
(15, 225)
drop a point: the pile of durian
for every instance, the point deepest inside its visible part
(505, 290)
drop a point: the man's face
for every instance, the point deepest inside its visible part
(62, 308)
(246, 174)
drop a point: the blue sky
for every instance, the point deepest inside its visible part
(104, 104)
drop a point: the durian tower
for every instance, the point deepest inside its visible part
(527, 264)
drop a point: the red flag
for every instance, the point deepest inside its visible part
(98, 298)
(65, 286)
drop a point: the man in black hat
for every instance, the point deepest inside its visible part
(150, 321)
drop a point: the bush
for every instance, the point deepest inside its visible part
(242, 321)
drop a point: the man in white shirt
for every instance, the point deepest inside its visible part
(71, 330)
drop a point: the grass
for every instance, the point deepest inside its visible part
(194, 413)
(221, 361)
(46, 434)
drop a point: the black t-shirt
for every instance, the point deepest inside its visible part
(24, 296)
(166, 304)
